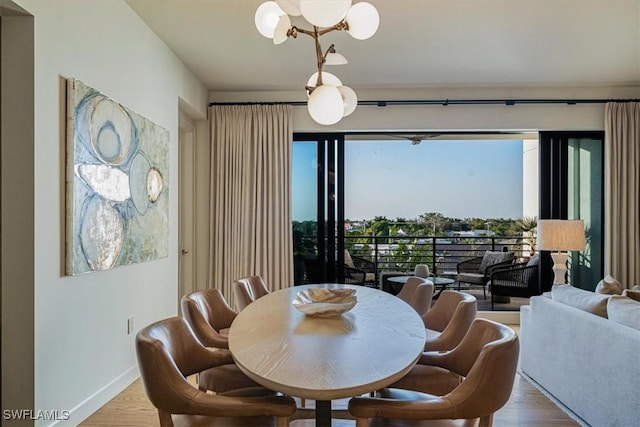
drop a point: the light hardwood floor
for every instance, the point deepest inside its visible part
(527, 407)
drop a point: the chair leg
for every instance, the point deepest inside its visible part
(165, 419)
(484, 291)
(362, 422)
(486, 421)
(282, 422)
(492, 301)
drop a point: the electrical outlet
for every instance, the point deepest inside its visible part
(130, 326)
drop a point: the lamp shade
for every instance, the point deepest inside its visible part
(267, 16)
(292, 7)
(325, 105)
(327, 79)
(363, 20)
(560, 235)
(324, 13)
(281, 30)
(349, 98)
(334, 58)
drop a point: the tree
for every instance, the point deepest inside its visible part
(527, 226)
(379, 227)
(434, 219)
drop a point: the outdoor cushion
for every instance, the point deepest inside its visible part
(492, 257)
(347, 259)
(534, 260)
(473, 278)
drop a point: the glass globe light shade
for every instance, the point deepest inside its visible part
(335, 59)
(363, 20)
(324, 13)
(349, 99)
(327, 79)
(325, 105)
(267, 17)
(281, 30)
(291, 7)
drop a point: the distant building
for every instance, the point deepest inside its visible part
(473, 233)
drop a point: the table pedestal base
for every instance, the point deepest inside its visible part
(323, 413)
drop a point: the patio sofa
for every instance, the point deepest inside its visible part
(583, 348)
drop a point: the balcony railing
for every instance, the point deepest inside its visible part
(440, 253)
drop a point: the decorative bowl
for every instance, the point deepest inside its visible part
(325, 302)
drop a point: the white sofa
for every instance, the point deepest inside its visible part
(589, 363)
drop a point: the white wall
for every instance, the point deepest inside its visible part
(17, 207)
(83, 353)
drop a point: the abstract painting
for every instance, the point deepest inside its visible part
(117, 189)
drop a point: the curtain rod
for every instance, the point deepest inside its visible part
(446, 102)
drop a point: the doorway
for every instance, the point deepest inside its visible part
(187, 222)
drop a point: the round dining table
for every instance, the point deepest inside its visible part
(365, 349)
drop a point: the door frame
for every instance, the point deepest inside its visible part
(186, 206)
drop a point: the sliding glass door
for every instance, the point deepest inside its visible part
(572, 187)
(318, 208)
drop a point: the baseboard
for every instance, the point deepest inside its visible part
(504, 317)
(97, 400)
(552, 398)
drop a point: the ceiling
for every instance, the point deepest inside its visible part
(419, 44)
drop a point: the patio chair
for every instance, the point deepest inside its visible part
(516, 280)
(315, 274)
(477, 270)
(356, 264)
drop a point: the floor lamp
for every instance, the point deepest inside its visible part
(560, 236)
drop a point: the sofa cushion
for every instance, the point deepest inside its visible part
(609, 286)
(491, 257)
(579, 298)
(624, 310)
(631, 293)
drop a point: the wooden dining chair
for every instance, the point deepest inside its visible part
(168, 353)
(485, 389)
(209, 316)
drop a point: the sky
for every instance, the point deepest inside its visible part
(460, 179)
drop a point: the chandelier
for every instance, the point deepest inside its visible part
(328, 99)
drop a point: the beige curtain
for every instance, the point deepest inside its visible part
(250, 215)
(622, 192)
